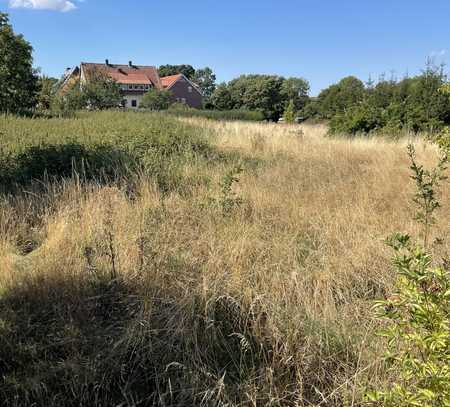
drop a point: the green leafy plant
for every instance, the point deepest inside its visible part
(229, 200)
(289, 114)
(417, 313)
(156, 99)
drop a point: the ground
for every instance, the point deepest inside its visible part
(239, 269)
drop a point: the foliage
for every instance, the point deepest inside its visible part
(221, 98)
(269, 94)
(295, 90)
(289, 113)
(206, 80)
(336, 99)
(101, 92)
(236, 114)
(66, 104)
(156, 99)
(102, 146)
(47, 92)
(412, 104)
(167, 70)
(417, 313)
(426, 196)
(18, 80)
(229, 199)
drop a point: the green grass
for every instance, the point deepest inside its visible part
(237, 114)
(102, 146)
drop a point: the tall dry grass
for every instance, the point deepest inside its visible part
(162, 299)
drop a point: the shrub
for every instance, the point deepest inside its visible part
(156, 99)
(289, 114)
(417, 313)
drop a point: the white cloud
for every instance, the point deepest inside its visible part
(58, 5)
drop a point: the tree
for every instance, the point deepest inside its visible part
(295, 90)
(46, 91)
(156, 99)
(289, 113)
(258, 92)
(101, 92)
(341, 96)
(221, 98)
(187, 70)
(206, 80)
(18, 79)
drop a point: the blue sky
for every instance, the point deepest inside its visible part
(321, 40)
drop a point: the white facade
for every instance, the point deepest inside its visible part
(129, 97)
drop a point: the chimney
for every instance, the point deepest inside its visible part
(130, 64)
(107, 62)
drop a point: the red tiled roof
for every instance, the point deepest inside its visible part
(138, 79)
(124, 74)
(168, 81)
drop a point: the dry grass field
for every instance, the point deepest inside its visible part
(249, 287)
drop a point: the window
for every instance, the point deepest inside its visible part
(190, 89)
(134, 103)
(183, 100)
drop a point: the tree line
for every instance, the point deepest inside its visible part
(412, 103)
(350, 106)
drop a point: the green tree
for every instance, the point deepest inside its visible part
(18, 79)
(258, 92)
(187, 70)
(156, 99)
(206, 80)
(295, 90)
(67, 104)
(101, 92)
(221, 98)
(47, 91)
(341, 96)
(427, 108)
(289, 113)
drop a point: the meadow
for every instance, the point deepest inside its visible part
(152, 260)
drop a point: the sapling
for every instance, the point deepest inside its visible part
(417, 314)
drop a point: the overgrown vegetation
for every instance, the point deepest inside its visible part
(237, 114)
(18, 79)
(103, 150)
(130, 290)
(418, 311)
(269, 94)
(413, 104)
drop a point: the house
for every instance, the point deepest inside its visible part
(135, 81)
(183, 90)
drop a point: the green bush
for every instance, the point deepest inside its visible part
(156, 99)
(289, 113)
(417, 314)
(414, 104)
